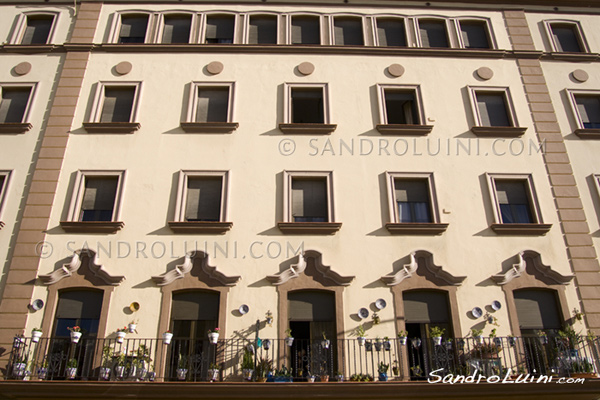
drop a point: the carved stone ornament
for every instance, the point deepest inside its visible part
(519, 268)
(295, 270)
(188, 264)
(432, 270)
(72, 267)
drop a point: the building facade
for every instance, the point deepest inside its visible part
(317, 167)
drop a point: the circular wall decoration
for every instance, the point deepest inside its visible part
(485, 73)
(135, 306)
(477, 312)
(215, 67)
(37, 304)
(123, 68)
(363, 313)
(496, 305)
(380, 304)
(395, 70)
(22, 68)
(580, 75)
(244, 309)
(306, 68)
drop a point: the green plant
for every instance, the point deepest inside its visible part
(213, 366)
(571, 335)
(591, 336)
(72, 363)
(36, 330)
(263, 367)
(493, 333)
(383, 368)
(578, 315)
(247, 362)
(283, 372)
(123, 329)
(324, 335)
(361, 378)
(181, 361)
(417, 370)
(402, 334)
(540, 333)
(359, 331)
(582, 366)
(288, 332)
(476, 332)
(436, 331)
(376, 319)
(122, 359)
(486, 349)
(106, 356)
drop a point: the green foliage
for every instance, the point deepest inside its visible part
(383, 368)
(72, 363)
(263, 367)
(436, 331)
(247, 361)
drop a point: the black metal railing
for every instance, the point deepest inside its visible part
(299, 360)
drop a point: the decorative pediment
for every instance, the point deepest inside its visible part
(430, 270)
(295, 270)
(188, 264)
(92, 264)
(520, 267)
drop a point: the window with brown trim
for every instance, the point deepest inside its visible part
(474, 34)
(37, 28)
(433, 33)
(219, 29)
(305, 29)
(391, 32)
(586, 110)
(133, 28)
(4, 177)
(262, 29)
(494, 112)
(566, 37)
(401, 110)
(306, 109)
(115, 108)
(15, 104)
(348, 31)
(176, 28)
(210, 108)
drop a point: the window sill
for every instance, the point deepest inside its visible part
(498, 131)
(588, 133)
(582, 56)
(310, 228)
(29, 48)
(309, 129)
(111, 127)
(92, 226)
(200, 227)
(209, 127)
(521, 229)
(415, 228)
(14, 127)
(401, 129)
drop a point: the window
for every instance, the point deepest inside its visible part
(176, 28)
(210, 108)
(391, 32)
(308, 203)
(537, 309)
(586, 109)
(433, 33)
(15, 103)
(37, 28)
(201, 202)
(401, 110)
(96, 202)
(115, 108)
(566, 37)
(306, 29)
(306, 109)
(133, 28)
(4, 177)
(494, 112)
(475, 34)
(219, 29)
(413, 206)
(348, 31)
(262, 29)
(515, 205)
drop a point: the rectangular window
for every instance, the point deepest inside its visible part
(566, 37)
(348, 31)
(401, 106)
(306, 30)
(14, 104)
(391, 32)
(133, 28)
(4, 175)
(262, 29)
(309, 200)
(118, 103)
(474, 34)
(492, 107)
(176, 28)
(307, 105)
(219, 29)
(99, 198)
(412, 200)
(587, 107)
(513, 201)
(433, 33)
(212, 104)
(37, 28)
(203, 200)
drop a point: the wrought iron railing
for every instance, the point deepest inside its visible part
(299, 360)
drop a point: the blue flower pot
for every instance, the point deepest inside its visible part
(383, 377)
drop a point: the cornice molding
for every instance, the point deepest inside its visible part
(295, 270)
(73, 266)
(520, 267)
(431, 270)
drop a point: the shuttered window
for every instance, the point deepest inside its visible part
(118, 103)
(14, 103)
(306, 30)
(307, 105)
(401, 107)
(212, 104)
(426, 307)
(566, 38)
(203, 202)
(309, 200)
(391, 32)
(588, 108)
(474, 34)
(513, 201)
(492, 109)
(78, 308)
(133, 28)
(412, 199)
(177, 29)
(262, 29)
(312, 306)
(37, 29)
(348, 31)
(537, 309)
(433, 33)
(219, 29)
(99, 198)
(195, 306)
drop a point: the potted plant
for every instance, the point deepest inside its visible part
(339, 376)
(266, 344)
(181, 367)
(436, 334)
(18, 341)
(402, 335)
(325, 342)
(377, 344)
(283, 375)
(310, 377)
(42, 371)
(376, 319)
(263, 369)
(121, 333)
(582, 368)
(395, 369)
(383, 369)
(269, 316)
(476, 333)
(247, 365)
(167, 336)
(143, 361)
(511, 340)
(36, 334)
(289, 340)
(71, 370)
(324, 373)
(20, 366)
(121, 365)
(213, 335)
(213, 372)
(75, 334)
(151, 373)
(387, 345)
(542, 336)
(360, 334)
(106, 369)
(131, 326)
